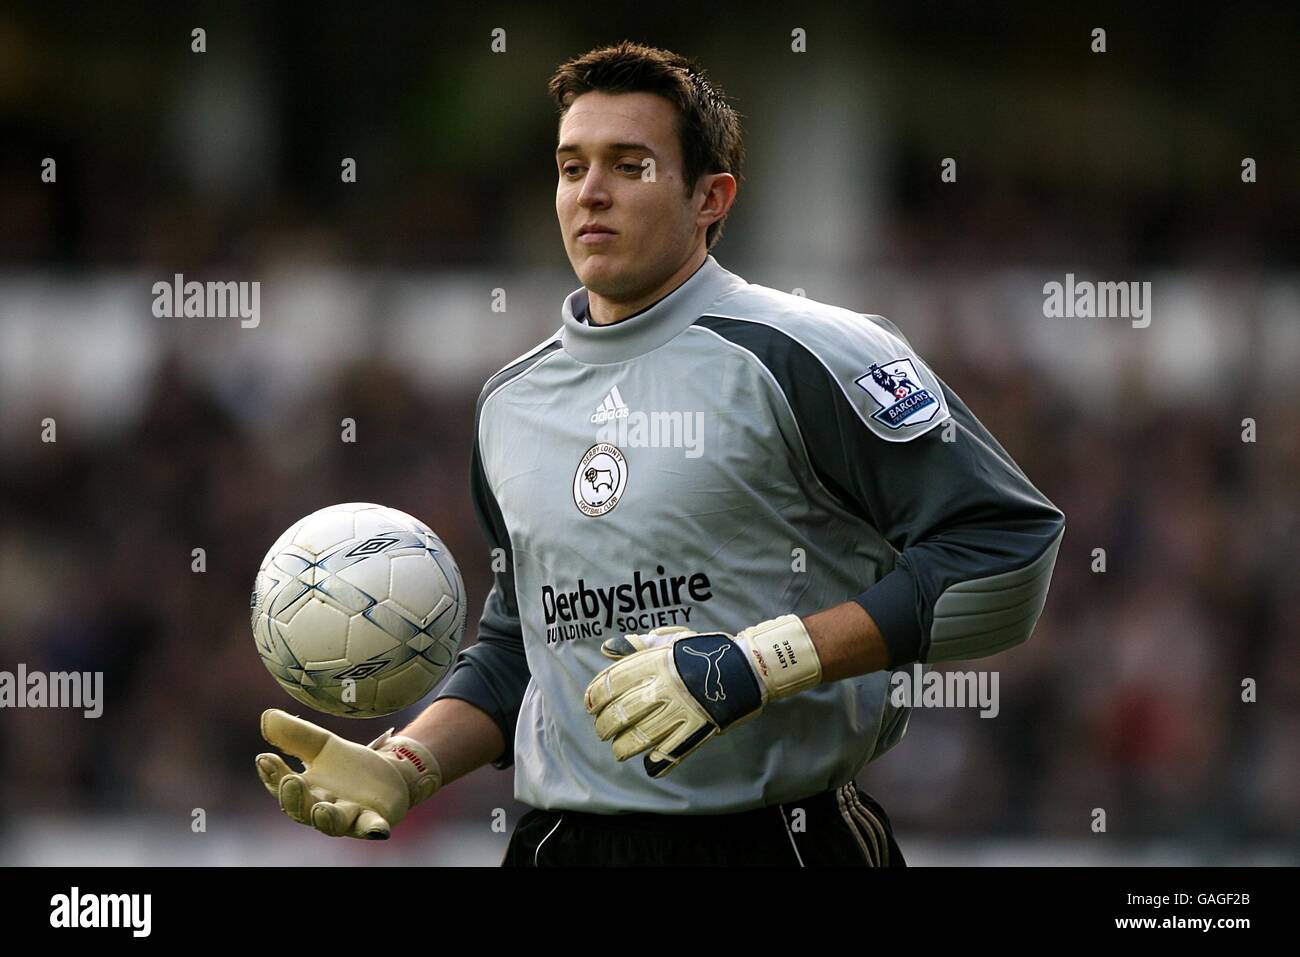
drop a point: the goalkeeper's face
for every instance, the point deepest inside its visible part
(620, 169)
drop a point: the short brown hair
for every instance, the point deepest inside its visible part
(708, 127)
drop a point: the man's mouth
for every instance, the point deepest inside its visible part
(594, 234)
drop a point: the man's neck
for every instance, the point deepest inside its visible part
(603, 312)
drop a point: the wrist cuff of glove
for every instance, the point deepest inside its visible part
(415, 762)
(782, 655)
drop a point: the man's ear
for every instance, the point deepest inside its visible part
(719, 194)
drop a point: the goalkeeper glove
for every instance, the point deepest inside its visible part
(673, 689)
(345, 788)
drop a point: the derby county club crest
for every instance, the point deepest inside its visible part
(599, 482)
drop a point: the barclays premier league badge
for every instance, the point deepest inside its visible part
(898, 391)
(599, 482)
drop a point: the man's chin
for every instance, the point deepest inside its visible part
(604, 275)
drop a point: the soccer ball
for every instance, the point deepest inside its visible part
(358, 610)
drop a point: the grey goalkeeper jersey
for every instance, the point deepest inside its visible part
(728, 455)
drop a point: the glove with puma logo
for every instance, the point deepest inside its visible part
(672, 689)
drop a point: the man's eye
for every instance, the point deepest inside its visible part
(571, 169)
(631, 167)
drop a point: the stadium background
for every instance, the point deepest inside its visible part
(376, 305)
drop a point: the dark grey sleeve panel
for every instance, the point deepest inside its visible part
(976, 541)
(493, 673)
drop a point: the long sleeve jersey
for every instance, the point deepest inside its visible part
(728, 455)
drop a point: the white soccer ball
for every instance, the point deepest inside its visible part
(358, 610)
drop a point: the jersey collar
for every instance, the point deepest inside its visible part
(651, 327)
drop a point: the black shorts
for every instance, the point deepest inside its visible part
(843, 827)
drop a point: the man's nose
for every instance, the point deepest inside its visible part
(593, 192)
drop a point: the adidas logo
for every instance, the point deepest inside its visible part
(619, 426)
(612, 408)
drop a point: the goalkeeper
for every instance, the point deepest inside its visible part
(726, 515)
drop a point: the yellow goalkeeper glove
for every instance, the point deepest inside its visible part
(345, 789)
(672, 689)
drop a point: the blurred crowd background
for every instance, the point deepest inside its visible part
(377, 305)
